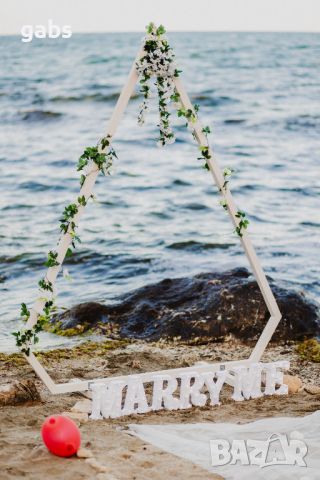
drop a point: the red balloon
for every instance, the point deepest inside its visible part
(61, 435)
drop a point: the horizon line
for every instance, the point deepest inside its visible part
(84, 32)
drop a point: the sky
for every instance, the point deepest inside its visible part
(176, 15)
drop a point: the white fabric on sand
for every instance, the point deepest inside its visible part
(191, 441)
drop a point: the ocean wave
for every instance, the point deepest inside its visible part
(284, 254)
(22, 257)
(305, 191)
(310, 224)
(91, 257)
(39, 115)
(208, 100)
(300, 47)
(17, 206)
(241, 154)
(89, 97)
(194, 206)
(13, 266)
(26, 263)
(194, 246)
(39, 187)
(94, 59)
(234, 121)
(303, 121)
(161, 215)
(181, 183)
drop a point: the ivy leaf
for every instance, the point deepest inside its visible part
(175, 97)
(82, 180)
(240, 214)
(150, 27)
(52, 259)
(161, 30)
(82, 162)
(82, 201)
(105, 142)
(24, 311)
(45, 285)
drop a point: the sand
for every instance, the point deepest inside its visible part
(22, 454)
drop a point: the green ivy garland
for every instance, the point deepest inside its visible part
(104, 161)
(158, 60)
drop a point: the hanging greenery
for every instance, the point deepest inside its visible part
(102, 157)
(26, 337)
(157, 61)
(243, 223)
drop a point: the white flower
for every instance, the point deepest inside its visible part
(158, 63)
(66, 274)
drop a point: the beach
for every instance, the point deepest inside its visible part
(23, 454)
(159, 279)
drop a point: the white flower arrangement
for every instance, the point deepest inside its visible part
(158, 61)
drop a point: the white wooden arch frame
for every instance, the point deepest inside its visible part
(66, 239)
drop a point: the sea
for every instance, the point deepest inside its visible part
(158, 215)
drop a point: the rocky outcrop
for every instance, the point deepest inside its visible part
(209, 306)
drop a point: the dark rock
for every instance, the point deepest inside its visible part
(209, 306)
(84, 314)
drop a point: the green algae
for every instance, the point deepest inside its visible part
(309, 350)
(85, 349)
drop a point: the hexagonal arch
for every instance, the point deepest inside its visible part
(219, 180)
